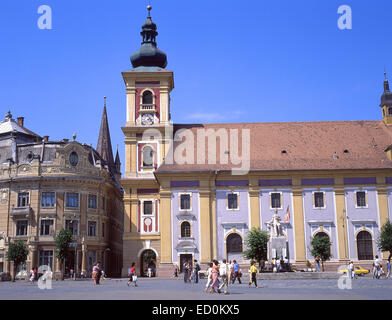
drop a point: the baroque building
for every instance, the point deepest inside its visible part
(324, 179)
(49, 185)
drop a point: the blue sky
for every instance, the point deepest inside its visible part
(233, 61)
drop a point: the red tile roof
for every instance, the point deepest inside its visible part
(308, 146)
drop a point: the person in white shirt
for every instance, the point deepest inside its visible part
(209, 276)
(351, 270)
(376, 265)
(224, 271)
(231, 271)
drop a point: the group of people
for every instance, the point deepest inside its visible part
(378, 270)
(280, 264)
(191, 272)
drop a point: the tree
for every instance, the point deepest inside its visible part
(17, 253)
(321, 246)
(384, 241)
(63, 239)
(256, 243)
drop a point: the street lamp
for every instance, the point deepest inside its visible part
(107, 250)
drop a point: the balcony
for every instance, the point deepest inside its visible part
(20, 212)
(147, 108)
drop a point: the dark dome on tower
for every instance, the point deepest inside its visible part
(149, 55)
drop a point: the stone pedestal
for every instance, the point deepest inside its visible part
(277, 248)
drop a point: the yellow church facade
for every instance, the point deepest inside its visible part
(193, 191)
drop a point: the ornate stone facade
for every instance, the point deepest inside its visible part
(49, 185)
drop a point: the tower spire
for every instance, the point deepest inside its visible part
(104, 145)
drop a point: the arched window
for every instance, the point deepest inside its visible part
(147, 97)
(364, 246)
(185, 229)
(234, 243)
(148, 157)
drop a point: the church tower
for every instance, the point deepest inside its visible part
(148, 86)
(386, 102)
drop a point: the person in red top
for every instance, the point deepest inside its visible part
(132, 275)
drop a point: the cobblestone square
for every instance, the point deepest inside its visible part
(364, 288)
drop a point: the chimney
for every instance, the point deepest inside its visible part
(46, 138)
(20, 121)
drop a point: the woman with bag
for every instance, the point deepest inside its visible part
(132, 275)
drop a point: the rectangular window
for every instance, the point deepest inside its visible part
(92, 229)
(92, 201)
(48, 199)
(147, 207)
(72, 200)
(103, 203)
(46, 227)
(185, 202)
(72, 225)
(319, 200)
(23, 199)
(361, 199)
(46, 258)
(21, 227)
(275, 200)
(103, 230)
(232, 201)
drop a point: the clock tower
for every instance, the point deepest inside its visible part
(148, 86)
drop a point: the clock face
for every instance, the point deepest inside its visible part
(147, 119)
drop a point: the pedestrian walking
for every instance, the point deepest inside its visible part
(96, 273)
(389, 268)
(237, 272)
(175, 273)
(32, 276)
(196, 272)
(278, 265)
(209, 276)
(253, 274)
(224, 272)
(317, 261)
(376, 266)
(132, 276)
(186, 271)
(215, 277)
(231, 271)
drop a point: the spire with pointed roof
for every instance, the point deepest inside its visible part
(104, 146)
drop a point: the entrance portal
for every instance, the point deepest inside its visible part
(148, 261)
(234, 247)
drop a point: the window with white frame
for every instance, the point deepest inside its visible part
(92, 201)
(46, 228)
(23, 199)
(21, 228)
(361, 199)
(148, 216)
(46, 258)
(319, 200)
(185, 229)
(276, 202)
(73, 226)
(92, 228)
(185, 201)
(232, 201)
(48, 199)
(72, 200)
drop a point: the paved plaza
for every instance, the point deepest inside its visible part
(170, 289)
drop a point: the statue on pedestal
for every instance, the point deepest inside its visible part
(275, 226)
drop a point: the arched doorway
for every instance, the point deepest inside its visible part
(364, 246)
(234, 247)
(148, 260)
(323, 235)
